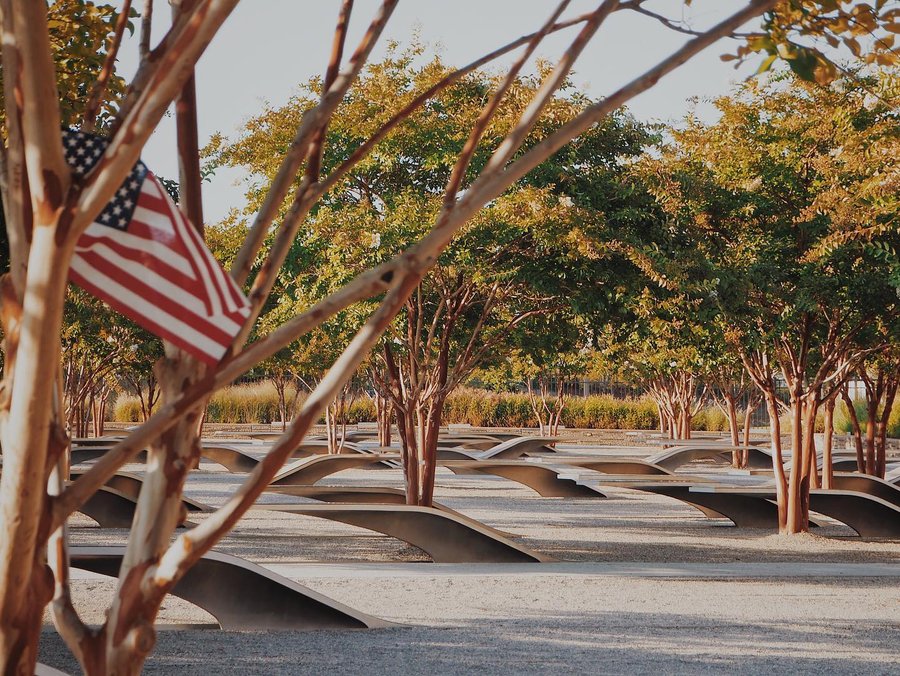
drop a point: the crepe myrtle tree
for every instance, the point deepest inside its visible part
(546, 354)
(795, 291)
(513, 262)
(664, 351)
(47, 209)
(880, 375)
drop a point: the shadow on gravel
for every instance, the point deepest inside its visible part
(633, 643)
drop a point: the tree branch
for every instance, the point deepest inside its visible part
(312, 121)
(95, 100)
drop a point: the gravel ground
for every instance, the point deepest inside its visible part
(460, 621)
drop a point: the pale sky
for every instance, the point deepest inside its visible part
(267, 47)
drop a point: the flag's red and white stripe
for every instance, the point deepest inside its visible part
(159, 273)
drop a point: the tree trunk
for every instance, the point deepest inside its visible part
(890, 394)
(280, 387)
(856, 429)
(733, 428)
(25, 581)
(798, 480)
(871, 423)
(330, 428)
(777, 460)
(429, 450)
(827, 461)
(748, 416)
(129, 634)
(810, 411)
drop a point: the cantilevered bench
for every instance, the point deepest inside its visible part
(673, 458)
(474, 443)
(111, 508)
(507, 450)
(232, 458)
(308, 472)
(444, 537)
(241, 595)
(745, 511)
(868, 515)
(237, 460)
(611, 466)
(865, 483)
(88, 453)
(309, 447)
(541, 478)
(366, 495)
(130, 485)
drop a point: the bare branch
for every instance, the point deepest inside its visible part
(554, 81)
(190, 181)
(462, 163)
(492, 185)
(445, 82)
(191, 546)
(95, 100)
(171, 69)
(314, 162)
(14, 181)
(146, 27)
(312, 121)
(678, 26)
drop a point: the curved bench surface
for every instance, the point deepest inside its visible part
(511, 449)
(444, 537)
(130, 485)
(308, 472)
(870, 485)
(868, 515)
(236, 460)
(614, 466)
(673, 458)
(745, 511)
(320, 447)
(83, 442)
(88, 453)
(542, 479)
(516, 448)
(112, 509)
(241, 595)
(380, 495)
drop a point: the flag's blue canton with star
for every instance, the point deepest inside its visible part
(83, 151)
(145, 259)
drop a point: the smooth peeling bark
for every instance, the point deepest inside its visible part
(777, 459)
(25, 581)
(26, 436)
(871, 423)
(855, 430)
(798, 479)
(827, 456)
(890, 395)
(734, 430)
(810, 411)
(748, 417)
(129, 637)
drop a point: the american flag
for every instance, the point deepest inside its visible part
(143, 257)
